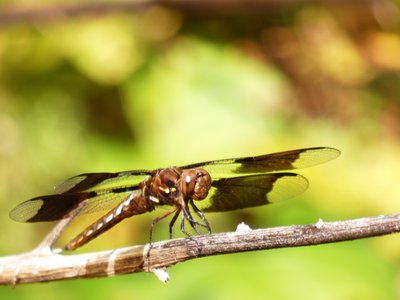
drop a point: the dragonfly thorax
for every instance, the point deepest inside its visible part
(163, 185)
(169, 185)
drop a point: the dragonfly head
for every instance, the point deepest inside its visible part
(195, 184)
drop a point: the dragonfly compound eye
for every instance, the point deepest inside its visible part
(202, 185)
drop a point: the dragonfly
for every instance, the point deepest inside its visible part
(194, 189)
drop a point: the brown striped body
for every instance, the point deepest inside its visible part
(133, 205)
(169, 186)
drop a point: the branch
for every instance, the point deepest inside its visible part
(41, 266)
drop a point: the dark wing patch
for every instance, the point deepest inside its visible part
(248, 191)
(280, 161)
(46, 208)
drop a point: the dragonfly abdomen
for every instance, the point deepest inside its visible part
(133, 205)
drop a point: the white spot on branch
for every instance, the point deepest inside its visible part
(319, 223)
(161, 274)
(242, 227)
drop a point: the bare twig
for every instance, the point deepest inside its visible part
(39, 267)
(45, 246)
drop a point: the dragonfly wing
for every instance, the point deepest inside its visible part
(101, 190)
(280, 161)
(248, 191)
(98, 181)
(56, 207)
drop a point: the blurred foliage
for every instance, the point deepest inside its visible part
(162, 87)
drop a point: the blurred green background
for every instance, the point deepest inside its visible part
(92, 92)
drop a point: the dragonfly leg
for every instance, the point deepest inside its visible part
(158, 219)
(193, 222)
(155, 221)
(171, 224)
(186, 215)
(201, 215)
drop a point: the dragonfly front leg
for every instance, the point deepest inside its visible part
(188, 216)
(201, 215)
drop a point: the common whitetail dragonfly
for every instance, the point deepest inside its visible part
(212, 186)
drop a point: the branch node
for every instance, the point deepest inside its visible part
(320, 223)
(161, 274)
(242, 228)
